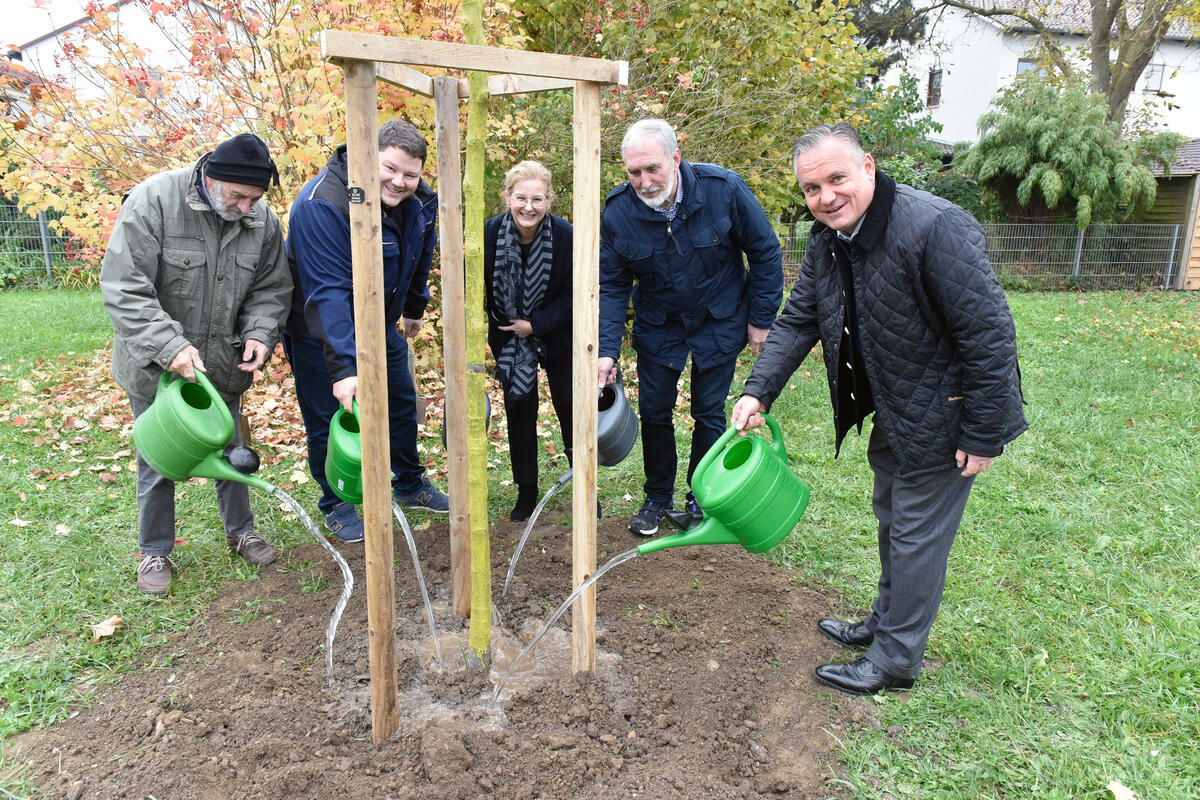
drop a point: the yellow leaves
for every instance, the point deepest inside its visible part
(77, 154)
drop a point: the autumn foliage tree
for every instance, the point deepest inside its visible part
(232, 66)
(739, 79)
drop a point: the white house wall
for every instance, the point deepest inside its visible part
(134, 24)
(978, 59)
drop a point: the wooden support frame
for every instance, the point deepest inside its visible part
(365, 58)
(366, 253)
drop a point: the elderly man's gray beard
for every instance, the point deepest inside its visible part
(661, 198)
(222, 208)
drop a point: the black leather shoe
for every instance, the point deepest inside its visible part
(847, 634)
(861, 677)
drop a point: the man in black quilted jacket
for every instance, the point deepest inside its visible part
(915, 330)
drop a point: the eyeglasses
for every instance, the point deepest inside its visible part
(537, 201)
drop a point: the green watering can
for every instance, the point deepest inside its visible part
(343, 456)
(747, 491)
(184, 432)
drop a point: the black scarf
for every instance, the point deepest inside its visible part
(518, 286)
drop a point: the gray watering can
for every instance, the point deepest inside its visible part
(487, 419)
(617, 425)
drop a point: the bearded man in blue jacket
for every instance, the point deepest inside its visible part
(319, 336)
(694, 247)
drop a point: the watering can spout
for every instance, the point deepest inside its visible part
(216, 467)
(710, 531)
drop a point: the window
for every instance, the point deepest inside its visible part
(1028, 65)
(1152, 78)
(934, 95)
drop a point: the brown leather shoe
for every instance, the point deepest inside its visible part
(154, 574)
(254, 548)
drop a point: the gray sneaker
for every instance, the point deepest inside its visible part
(426, 497)
(154, 574)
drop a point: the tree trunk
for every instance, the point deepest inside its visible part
(480, 635)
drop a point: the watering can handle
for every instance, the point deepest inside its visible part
(204, 383)
(717, 448)
(776, 437)
(618, 381)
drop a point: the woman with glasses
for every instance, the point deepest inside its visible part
(527, 279)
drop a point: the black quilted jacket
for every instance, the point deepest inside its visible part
(938, 340)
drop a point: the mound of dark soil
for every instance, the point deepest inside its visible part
(703, 689)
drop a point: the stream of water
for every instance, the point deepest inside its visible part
(347, 575)
(537, 512)
(412, 548)
(616, 560)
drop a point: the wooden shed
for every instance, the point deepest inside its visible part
(1177, 203)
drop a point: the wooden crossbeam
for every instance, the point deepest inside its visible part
(337, 45)
(414, 80)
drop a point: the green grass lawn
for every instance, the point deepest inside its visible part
(1069, 627)
(1065, 655)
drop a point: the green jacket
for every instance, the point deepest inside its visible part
(176, 274)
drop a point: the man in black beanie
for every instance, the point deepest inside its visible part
(195, 277)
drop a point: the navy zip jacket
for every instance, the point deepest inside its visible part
(318, 247)
(694, 290)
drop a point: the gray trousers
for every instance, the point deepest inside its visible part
(918, 519)
(156, 497)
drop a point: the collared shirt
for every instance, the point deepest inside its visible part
(854, 232)
(669, 213)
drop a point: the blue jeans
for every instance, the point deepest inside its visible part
(657, 391)
(314, 390)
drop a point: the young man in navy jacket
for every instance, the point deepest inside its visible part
(319, 337)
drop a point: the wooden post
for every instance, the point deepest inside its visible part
(366, 246)
(454, 335)
(585, 210)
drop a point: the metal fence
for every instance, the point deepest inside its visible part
(1045, 256)
(27, 243)
(1033, 255)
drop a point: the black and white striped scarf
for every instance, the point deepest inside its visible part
(518, 285)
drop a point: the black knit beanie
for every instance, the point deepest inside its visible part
(243, 159)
